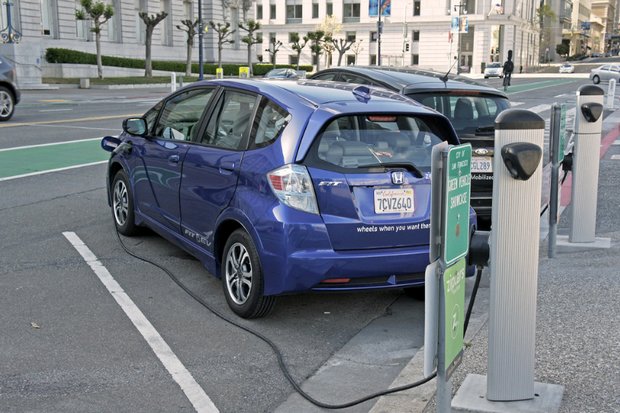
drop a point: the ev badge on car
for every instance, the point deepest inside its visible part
(398, 178)
(481, 151)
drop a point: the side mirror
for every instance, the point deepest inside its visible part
(521, 159)
(592, 111)
(110, 143)
(135, 126)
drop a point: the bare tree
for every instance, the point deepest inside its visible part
(190, 28)
(274, 47)
(342, 46)
(99, 13)
(223, 33)
(250, 39)
(150, 22)
(298, 45)
(316, 45)
(357, 48)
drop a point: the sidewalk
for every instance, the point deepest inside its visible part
(578, 315)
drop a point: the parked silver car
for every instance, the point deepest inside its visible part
(9, 93)
(605, 73)
(494, 69)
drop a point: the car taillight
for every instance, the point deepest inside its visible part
(293, 187)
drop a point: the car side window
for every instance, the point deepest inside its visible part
(325, 76)
(230, 121)
(181, 114)
(270, 120)
(346, 77)
(151, 116)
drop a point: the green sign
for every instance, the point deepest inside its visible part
(454, 310)
(457, 189)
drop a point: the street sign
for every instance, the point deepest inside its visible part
(454, 313)
(457, 190)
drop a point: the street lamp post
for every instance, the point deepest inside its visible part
(200, 35)
(459, 9)
(379, 30)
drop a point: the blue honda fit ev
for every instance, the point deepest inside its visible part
(282, 186)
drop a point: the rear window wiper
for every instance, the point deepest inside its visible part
(485, 129)
(406, 165)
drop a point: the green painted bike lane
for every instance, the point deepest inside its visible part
(38, 159)
(526, 87)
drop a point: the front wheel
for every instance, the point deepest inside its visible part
(596, 79)
(7, 104)
(242, 278)
(122, 205)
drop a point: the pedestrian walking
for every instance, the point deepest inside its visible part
(509, 66)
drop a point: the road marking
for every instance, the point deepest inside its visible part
(56, 110)
(8, 178)
(616, 143)
(513, 104)
(78, 127)
(48, 144)
(615, 157)
(53, 100)
(50, 122)
(185, 380)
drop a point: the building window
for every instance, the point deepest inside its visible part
(188, 9)
(234, 17)
(114, 24)
(415, 59)
(415, 35)
(292, 59)
(350, 36)
(259, 12)
(140, 6)
(373, 37)
(315, 10)
(330, 9)
(272, 11)
(373, 59)
(416, 7)
(48, 18)
(290, 36)
(272, 38)
(259, 38)
(294, 11)
(351, 11)
(166, 24)
(350, 59)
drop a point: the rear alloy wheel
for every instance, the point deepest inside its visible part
(242, 277)
(596, 79)
(122, 205)
(7, 104)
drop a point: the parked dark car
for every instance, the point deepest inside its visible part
(470, 107)
(9, 93)
(281, 187)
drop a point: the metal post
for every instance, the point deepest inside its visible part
(444, 385)
(554, 146)
(173, 82)
(200, 35)
(586, 163)
(611, 94)
(514, 256)
(379, 30)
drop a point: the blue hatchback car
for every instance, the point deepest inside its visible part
(283, 187)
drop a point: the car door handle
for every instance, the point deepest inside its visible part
(227, 168)
(173, 158)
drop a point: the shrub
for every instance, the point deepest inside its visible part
(57, 55)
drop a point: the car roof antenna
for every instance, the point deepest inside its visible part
(444, 78)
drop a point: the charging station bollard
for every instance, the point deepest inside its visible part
(611, 94)
(588, 127)
(517, 183)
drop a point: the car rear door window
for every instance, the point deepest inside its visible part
(230, 120)
(269, 122)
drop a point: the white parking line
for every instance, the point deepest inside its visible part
(40, 145)
(47, 171)
(539, 108)
(193, 391)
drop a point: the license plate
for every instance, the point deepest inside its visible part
(393, 201)
(481, 164)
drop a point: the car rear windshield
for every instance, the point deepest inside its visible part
(494, 65)
(367, 141)
(469, 114)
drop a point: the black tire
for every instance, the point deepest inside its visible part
(122, 205)
(417, 293)
(596, 79)
(242, 277)
(7, 104)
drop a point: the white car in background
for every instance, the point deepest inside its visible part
(494, 69)
(567, 68)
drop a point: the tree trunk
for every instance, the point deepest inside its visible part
(219, 55)
(298, 57)
(188, 68)
(98, 46)
(250, 72)
(148, 72)
(340, 54)
(318, 62)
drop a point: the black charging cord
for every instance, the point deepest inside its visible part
(276, 349)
